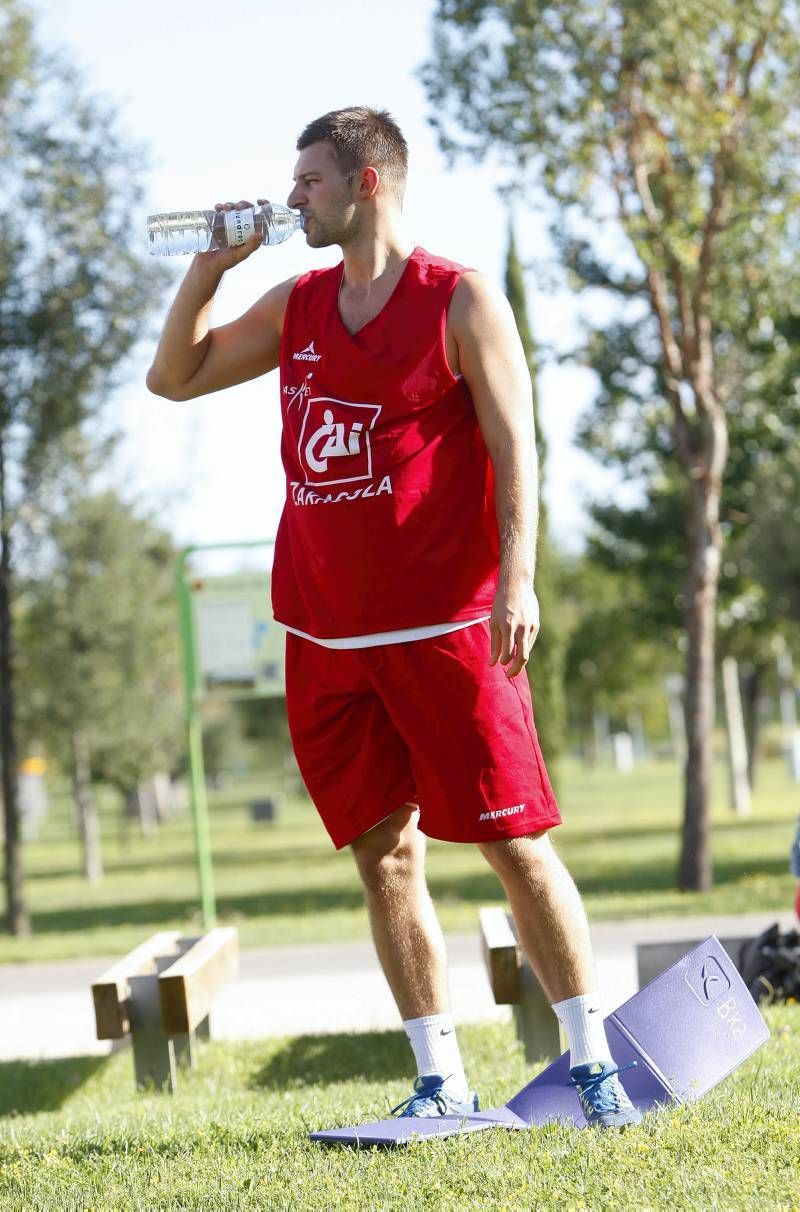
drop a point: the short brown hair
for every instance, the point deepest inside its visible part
(362, 136)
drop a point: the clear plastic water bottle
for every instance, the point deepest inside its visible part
(194, 231)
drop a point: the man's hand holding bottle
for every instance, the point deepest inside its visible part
(231, 231)
(222, 257)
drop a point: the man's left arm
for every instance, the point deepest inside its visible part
(492, 361)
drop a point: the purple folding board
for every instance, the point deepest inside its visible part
(686, 1030)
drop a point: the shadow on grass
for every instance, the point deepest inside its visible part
(661, 877)
(186, 861)
(656, 875)
(28, 1086)
(162, 913)
(580, 835)
(273, 849)
(313, 1060)
(664, 834)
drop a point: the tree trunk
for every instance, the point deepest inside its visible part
(17, 916)
(148, 809)
(602, 735)
(636, 729)
(161, 784)
(753, 689)
(676, 715)
(705, 543)
(741, 802)
(86, 809)
(788, 699)
(140, 806)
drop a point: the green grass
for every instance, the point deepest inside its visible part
(283, 883)
(75, 1135)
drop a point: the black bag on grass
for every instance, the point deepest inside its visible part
(770, 965)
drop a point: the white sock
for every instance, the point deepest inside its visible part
(582, 1020)
(435, 1046)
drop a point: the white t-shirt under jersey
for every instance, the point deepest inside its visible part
(389, 637)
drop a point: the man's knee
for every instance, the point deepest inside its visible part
(530, 855)
(392, 852)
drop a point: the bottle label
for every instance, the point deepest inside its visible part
(240, 225)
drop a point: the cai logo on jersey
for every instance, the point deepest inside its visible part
(334, 441)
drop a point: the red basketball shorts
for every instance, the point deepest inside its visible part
(428, 722)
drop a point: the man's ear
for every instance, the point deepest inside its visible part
(368, 183)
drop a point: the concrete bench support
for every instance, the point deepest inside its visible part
(160, 994)
(514, 984)
(157, 1057)
(654, 958)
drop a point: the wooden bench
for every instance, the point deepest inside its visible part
(161, 994)
(514, 984)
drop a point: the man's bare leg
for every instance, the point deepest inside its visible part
(410, 946)
(548, 912)
(408, 938)
(552, 927)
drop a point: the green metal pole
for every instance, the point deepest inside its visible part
(202, 835)
(197, 775)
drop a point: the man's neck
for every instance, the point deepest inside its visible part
(379, 253)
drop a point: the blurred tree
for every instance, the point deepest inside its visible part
(771, 550)
(265, 720)
(99, 656)
(645, 540)
(613, 667)
(546, 668)
(72, 297)
(773, 547)
(223, 734)
(678, 122)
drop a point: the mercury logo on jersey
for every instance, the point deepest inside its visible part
(309, 354)
(334, 441)
(498, 812)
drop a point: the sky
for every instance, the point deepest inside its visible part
(217, 94)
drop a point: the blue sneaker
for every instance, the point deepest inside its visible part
(602, 1095)
(430, 1098)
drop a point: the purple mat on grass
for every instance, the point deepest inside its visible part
(687, 1030)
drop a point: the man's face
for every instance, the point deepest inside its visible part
(324, 197)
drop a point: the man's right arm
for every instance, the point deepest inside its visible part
(193, 359)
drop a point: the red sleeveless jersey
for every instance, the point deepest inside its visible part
(389, 519)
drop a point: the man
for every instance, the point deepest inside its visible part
(403, 574)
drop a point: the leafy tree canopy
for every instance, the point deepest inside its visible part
(99, 648)
(73, 283)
